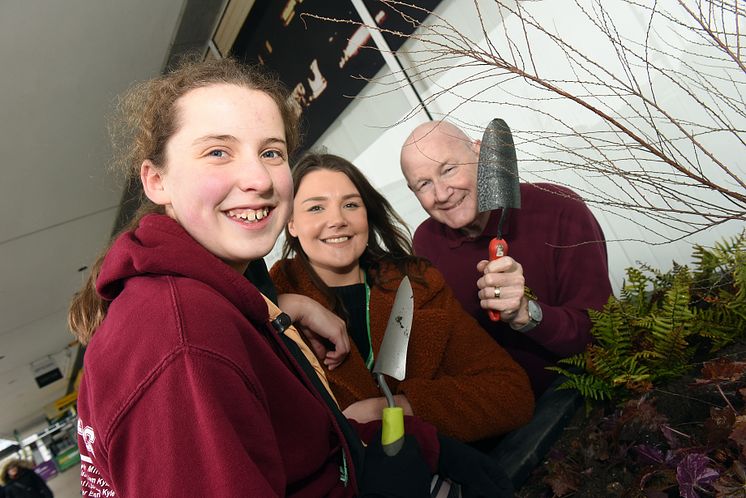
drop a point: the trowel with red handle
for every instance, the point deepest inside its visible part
(498, 185)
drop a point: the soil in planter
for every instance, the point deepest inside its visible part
(631, 450)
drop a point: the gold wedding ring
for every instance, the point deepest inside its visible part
(497, 292)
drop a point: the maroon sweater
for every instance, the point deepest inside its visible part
(187, 391)
(561, 247)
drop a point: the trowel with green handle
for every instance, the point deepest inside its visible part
(392, 361)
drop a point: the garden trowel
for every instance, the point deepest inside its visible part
(392, 361)
(497, 183)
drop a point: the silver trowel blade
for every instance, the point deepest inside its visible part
(392, 357)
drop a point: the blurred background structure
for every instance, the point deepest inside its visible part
(675, 79)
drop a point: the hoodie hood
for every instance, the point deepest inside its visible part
(160, 246)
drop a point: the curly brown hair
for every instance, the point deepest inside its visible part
(146, 117)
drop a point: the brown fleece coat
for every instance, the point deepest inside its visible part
(458, 378)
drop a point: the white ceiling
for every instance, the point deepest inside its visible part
(61, 65)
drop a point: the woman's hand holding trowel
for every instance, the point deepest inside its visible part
(367, 410)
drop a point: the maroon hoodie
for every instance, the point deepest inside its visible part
(187, 391)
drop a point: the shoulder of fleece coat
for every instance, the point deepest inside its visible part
(281, 273)
(426, 292)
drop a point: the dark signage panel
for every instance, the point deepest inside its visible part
(324, 63)
(48, 377)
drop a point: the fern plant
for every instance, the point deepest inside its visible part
(654, 329)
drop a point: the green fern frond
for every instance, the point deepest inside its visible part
(577, 361)
(714, 266)
(721, 323)
(630, 378)
(646, 322)
(633, 372)
(671, 324)
(636, 292)
(646, 356)
(590, 387)
(604, 363)
(739, 276)
(610, 327)
(652, 331)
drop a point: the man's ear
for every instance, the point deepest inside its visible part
(291, 227)
(152, 183)
(476, 146)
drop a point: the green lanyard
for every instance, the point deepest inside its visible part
(369, 361)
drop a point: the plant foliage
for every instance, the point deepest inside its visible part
(687, 439)
(653, 330)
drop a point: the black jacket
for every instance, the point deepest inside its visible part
(27, 485)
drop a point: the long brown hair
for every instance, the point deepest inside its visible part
(146, 118)
(389, 239)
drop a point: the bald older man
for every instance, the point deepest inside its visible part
(557, 250)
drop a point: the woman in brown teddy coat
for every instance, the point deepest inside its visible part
(351, 253)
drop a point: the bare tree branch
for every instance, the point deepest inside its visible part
(669, 136)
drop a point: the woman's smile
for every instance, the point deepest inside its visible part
(336, 240)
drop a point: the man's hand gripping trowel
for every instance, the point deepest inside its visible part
(497, 183)
(392, 361)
